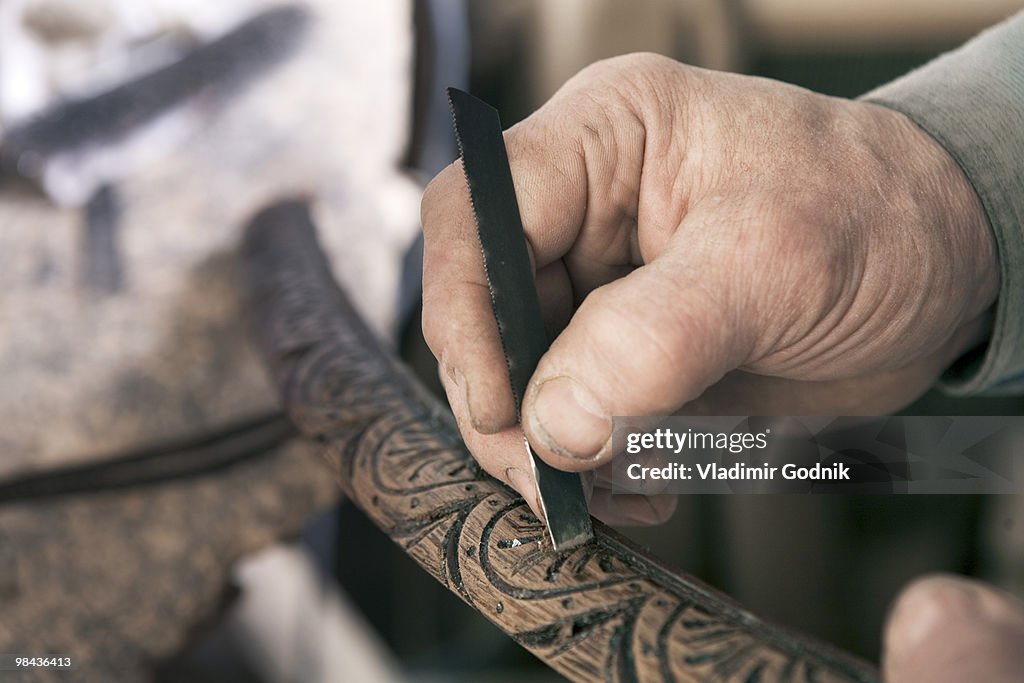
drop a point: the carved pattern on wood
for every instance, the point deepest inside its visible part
(603, 611)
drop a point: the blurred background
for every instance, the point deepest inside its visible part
(121, 326)
(827, 565)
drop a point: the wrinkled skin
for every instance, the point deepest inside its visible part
(710, 243)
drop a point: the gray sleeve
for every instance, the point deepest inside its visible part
(971, 101)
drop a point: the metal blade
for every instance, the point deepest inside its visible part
(513, 295)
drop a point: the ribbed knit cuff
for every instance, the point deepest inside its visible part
(971, 101)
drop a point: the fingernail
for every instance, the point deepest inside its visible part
(469, 406)
(454, 381)
(486, 426)
(448, 369)
(569, 420)
(523, 483)
(587, 478)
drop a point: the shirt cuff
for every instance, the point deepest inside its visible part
(971, 101)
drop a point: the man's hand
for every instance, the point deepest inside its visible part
(951, 630)
(708, 243)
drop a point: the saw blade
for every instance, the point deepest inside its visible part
(514, 296)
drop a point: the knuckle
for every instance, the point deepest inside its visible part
(639, 349)
(437, 322)
(635, 80)
(641, 79)
(631, 65)
(432, 331)
(662, 508)
(441, 192)
(929, 595)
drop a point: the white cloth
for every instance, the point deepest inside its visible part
(167, 355)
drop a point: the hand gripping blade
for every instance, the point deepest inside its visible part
(513, 296)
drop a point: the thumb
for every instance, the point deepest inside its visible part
(644, 344)
(945, 629)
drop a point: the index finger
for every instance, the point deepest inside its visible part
(458, 323)
(574, 178)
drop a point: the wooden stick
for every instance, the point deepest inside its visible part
(604, 611)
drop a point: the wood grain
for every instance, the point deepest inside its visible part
(604, 611)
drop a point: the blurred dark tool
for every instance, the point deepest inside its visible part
(514, 296)
(219, 66)
(101, 269)
(184, 458)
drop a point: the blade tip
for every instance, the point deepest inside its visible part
(461, 101)
(455, 97)
(567, 539)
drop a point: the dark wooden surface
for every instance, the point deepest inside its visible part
(121, 579)
(604, 611)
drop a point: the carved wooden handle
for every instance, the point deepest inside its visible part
(604, 611)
